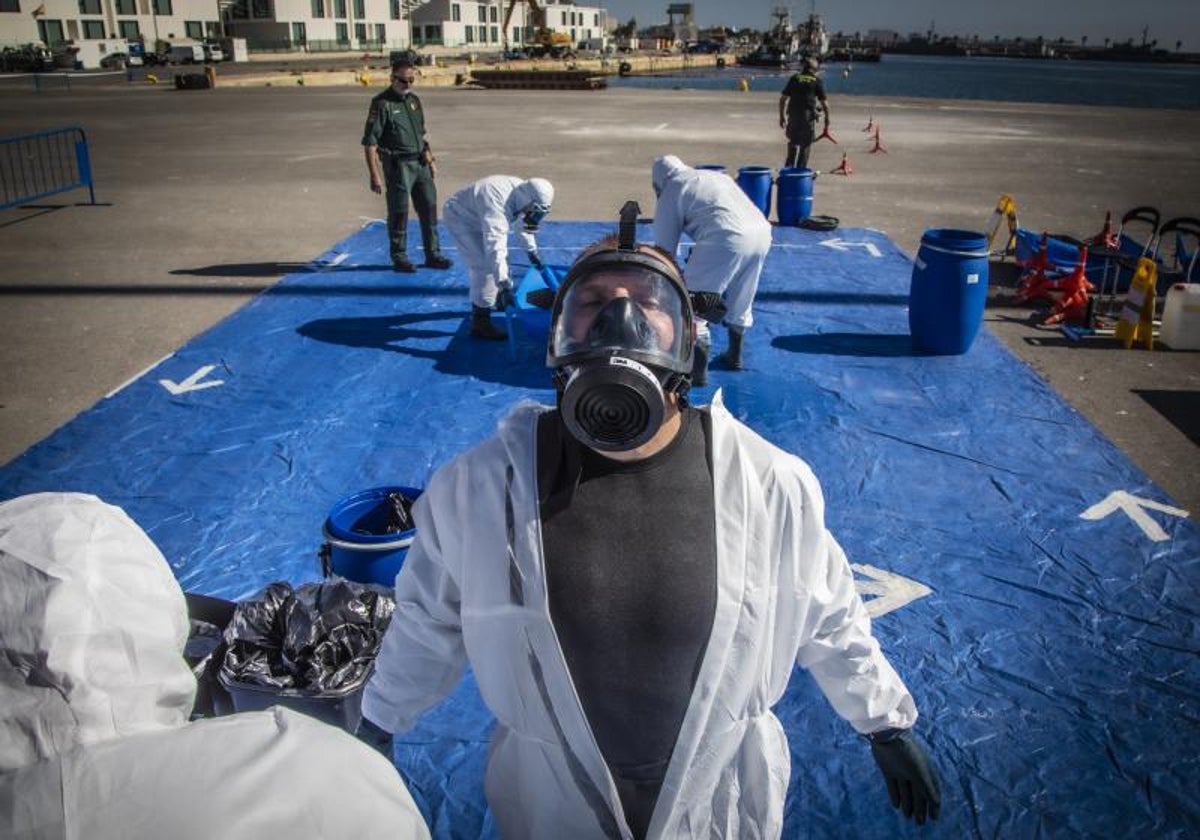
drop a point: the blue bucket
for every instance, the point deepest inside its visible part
(711, 167)
(755, 182)
(949, 291)
(794, 195)
(356, 546)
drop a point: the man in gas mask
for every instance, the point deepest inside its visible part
(479, 216)
(633, 581)
(731, 239)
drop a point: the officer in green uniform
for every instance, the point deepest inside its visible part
(798, 111)
(398, 154)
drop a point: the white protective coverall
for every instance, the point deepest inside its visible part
(473, 588)
(731, 235)
(479, 217)
(95, 697)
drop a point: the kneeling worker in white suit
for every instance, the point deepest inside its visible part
(732, 239)
(95, 697)
(632, 581)
(479, 216)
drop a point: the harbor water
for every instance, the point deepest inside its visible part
(1120, 83)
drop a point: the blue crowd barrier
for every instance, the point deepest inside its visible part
(46, 163)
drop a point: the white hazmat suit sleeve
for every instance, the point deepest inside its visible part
(95, 696)
(668, 216)
(422, 657)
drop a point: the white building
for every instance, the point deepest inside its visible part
(56, 22)
(476, 23)
(318, 25)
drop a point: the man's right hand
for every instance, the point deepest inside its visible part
(505, 298)
(376, 185)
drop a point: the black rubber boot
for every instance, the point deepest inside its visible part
(482, 326)
(402, 265)
(731, 359)
(438, 261)
(700, 361)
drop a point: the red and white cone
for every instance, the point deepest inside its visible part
(843, 168)
(825, 135)
(878, 147)
(870, 124)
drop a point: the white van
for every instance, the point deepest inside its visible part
(185, 54)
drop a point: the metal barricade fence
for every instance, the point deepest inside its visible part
(34, 166)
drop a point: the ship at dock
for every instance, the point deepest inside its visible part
(784, 45)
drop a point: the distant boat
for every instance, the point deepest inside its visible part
(784, 46)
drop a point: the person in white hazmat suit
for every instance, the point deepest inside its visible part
(632, 581)
(95, 697)
(479, 217)
(731, 240)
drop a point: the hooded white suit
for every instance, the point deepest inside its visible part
(473, 588)
(95, 696)
(480, 215)
(731, 235)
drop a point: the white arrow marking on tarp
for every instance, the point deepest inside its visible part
(891, 591)
(1133, 507)
(192, 383)
(843, 245)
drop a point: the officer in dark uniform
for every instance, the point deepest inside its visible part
(798, 111)
(398, 154)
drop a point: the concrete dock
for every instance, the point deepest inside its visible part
(207, 197)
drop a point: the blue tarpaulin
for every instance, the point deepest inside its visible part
(1035, 590)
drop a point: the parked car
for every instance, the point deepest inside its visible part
(121, 61)
(185, 54)
(213, 52)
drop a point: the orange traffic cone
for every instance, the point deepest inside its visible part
(843, 168)
(1035, 283)
(825, 135)
(1075, 288)
(878, 147)
(1106, 238)
(870, 124)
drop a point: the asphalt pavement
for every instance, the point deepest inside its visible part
(207, 197)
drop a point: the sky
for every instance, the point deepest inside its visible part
(1168, 20)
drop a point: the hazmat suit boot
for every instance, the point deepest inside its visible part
(731, 359)
(482, 326)
(402, 265)
(438, 261)
(700, 360)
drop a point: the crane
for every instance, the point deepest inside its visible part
(544, 38)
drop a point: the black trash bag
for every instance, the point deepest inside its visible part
(318, 637)
(398, 517)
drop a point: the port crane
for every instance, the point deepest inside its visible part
(544, 39)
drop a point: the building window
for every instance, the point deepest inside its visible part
(10, 5)
(494, 14)
(299, 34)
(127, 7)
(93, 29)
(564, 18)
(596, 19)
(50, 32)
(360, 9)
(162, 7)
(318, 8)
(455, 12)
(194, 29)
(482, 13)
(433, 33)
(339, 9)
(343, 33)
(89, 7)
(360, 32)
(470, 30)
(380, 33)
(495, 34)
(129, 30)
(395, 9)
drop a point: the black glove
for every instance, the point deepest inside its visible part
(535, 260)
(709, 306)
(505, 298)
(911, 782)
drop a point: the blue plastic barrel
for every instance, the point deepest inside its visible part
(357, 545)
(794, 195)
(755, 182)
(949, 291)
(712, 167)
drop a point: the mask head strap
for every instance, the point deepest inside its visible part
(627, 228)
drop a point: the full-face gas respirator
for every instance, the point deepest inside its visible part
(533, 216)
(621, 340)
